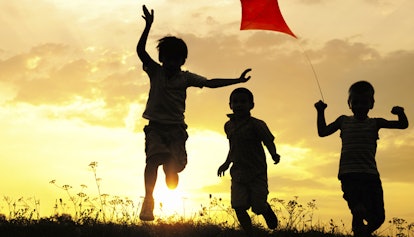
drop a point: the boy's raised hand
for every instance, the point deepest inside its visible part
(397, 110)
(149, 17)
(243, 77)
(320, 105)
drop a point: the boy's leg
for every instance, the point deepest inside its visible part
(358, 215)
(177, 157)
(245, 221)
(171, 174)
(374, 203)
(352, 192)
(271, 218)
(240, 201)
(150, 178)
(259, 192)
(155, 151)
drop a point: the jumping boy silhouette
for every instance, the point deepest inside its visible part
(358, 173)
(249, 186)
(165, 134)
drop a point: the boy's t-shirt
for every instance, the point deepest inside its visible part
(359, 145)
(246, 149)
(166, 99)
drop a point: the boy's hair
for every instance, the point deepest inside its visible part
(242, 90)
(361, 87)
(172, 47)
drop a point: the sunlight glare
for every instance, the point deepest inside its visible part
(169, 202)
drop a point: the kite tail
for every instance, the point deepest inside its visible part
(313, 70)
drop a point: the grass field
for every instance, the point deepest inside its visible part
(102, 215)
(121, 220)
(62, 228)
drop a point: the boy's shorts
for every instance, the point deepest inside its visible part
(250, 194)
(366, 190)
(166, 141)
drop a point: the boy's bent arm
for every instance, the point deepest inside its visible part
(224, 167)
(326, 130)
(217, 82)
(401, 123)
(323, 129)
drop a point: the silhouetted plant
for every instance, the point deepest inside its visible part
(22, 209)
(218, 213)
(399, 227)
(87, 209)
(78, 200)
(107, 215)
(292, 214)
(93, 165)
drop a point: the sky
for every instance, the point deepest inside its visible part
(72, 92)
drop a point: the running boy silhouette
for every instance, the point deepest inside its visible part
(165, 134)
(249, 169)
(358, 173)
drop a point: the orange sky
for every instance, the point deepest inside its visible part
(72, 91)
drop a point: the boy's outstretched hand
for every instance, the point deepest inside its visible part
(148, 17)
(243, 77)
(320, 105)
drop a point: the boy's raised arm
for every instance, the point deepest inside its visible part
(402, 118)
(323, 129)
(401, 123)
(216, 82)
(149, 19)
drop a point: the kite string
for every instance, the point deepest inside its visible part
(313, 69)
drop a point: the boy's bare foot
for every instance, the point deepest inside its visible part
(147, 209)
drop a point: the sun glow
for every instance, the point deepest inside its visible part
(169, 202)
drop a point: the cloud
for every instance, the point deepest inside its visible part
(59, 75)
(393, 155)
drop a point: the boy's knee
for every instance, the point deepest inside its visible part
(157, 159)
(375, 222)
(171, 175)
(260, 208)
(380, 220)
(172, 166)
(359, 211)
(240, 210)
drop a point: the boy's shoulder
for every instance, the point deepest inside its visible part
(151, 66)
(257, 121)
(250, 119)
(251, 122)
(342, 118)
(188, 73)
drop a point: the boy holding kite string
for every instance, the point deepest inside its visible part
(358, 173)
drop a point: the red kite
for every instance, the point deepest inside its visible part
(263, 15)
